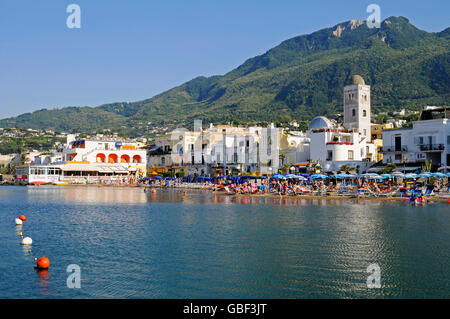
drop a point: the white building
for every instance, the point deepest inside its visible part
(428, 139)
(332, 146)
(85, 158)
(222, 149)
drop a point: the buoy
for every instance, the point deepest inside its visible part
(43, 263)
(18, 221)
(22, 218)
(26, 241)
(448, 201)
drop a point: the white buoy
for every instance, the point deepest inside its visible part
(26, 241)
(19, 221)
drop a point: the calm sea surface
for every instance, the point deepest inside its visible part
(196, 245)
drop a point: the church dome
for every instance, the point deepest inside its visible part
(357, 80)
(319, 123)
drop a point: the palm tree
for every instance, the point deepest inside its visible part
(427, 166)
(345, 168)
(315, 167)
(389, 168)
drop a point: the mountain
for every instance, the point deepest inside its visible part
(302, 77)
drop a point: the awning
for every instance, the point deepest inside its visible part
(100, 168)
(155, 148)
(301, 164)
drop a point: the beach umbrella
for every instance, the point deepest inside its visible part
(439, 175)
(386, 175)
(319, 176)
(425, 175)
(290, 176)
(279, 176)
(411, 176)
(375, 176)
(398, 175)
(301, 178)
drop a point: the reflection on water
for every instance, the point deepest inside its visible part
(197, 244)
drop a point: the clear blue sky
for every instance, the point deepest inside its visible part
(131, 50)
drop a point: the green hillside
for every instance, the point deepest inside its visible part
(302, 77)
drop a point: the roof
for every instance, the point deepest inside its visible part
(319, 123)
(357, 80)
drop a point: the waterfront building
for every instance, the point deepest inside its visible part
(82, 158)
(5, 160)
(427, 139)
(377, 138)
(294, 150)
(217, 150)
(332, 145)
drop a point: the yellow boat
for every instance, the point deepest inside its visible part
(61, 183)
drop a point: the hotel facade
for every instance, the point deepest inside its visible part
(86, 160)
(427, 140)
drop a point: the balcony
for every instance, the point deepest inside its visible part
(393, 149)
(432, 147)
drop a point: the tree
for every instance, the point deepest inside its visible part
(345, 168)
(389, 168)
(426, 167)
(315, 167)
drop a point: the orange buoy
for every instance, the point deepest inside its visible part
(22, 218)
(43, 263)
(448, 202)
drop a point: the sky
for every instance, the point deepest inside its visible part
(131, 50)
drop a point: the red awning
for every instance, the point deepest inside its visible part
(301, 164)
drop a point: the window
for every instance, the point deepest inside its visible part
(350, 155)
(364, 113)
(365, 132)
(353, 112)
(163, 161)
(398, 157)
(329, 155)
(448, 140)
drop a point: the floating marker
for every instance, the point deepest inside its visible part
(18, 221)
(22, 218)
(26, 241)
(43, 263)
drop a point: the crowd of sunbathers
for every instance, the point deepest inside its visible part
(293, 187)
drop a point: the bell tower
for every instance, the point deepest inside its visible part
(357, 107)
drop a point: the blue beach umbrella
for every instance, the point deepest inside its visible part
(439, 175)
(398, 175)
(319, 176)
(411, 176)
(425, 175)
